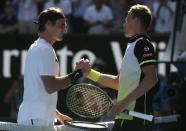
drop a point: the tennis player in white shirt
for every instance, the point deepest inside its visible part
(41, 76)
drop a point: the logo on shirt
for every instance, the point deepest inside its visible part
(146, 48)
(147, 55)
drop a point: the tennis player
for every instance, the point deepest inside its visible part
(41, 76)
(138, 69)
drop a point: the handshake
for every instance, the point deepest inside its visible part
(83, 68)
(83, 65)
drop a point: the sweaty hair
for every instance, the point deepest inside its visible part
(143, 13)
(51, 14)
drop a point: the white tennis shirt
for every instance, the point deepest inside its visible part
(37, 103)
(139, 53)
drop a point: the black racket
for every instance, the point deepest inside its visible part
(90, 101)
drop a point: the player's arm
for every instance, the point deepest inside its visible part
(46, 68)
(110, 81)
(106, 80)
(53, 83)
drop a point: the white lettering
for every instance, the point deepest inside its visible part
(23, 58)
(7, 54)
(116, 50)
(63, 54)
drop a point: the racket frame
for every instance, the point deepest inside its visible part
(72, 124)
(109, 100)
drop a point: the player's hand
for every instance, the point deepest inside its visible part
(61, 118)
(84, 65)
(116, 108)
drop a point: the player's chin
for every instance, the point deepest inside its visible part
(127, 35)
(60, 38)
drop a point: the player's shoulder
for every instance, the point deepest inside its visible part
(144, 41)
(40, 47)
(144, 44)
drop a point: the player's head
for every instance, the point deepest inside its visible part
(52, 21)
(138, 18)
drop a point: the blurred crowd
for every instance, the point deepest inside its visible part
(84, 16)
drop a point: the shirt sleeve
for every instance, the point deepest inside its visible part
(144, 52)
(47, 62)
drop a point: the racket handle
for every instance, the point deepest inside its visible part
(140, 115)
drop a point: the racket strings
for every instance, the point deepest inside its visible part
(87, 101)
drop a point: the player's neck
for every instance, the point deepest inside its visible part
(47, 37)
(138, 32)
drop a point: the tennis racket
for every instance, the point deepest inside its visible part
(86, 125)
(90, 101)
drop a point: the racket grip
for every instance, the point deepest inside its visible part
(140, 115)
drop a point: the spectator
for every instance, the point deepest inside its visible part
(14, 97)
(163, 11)
(181, 58)
(98, 18)
(119, 8)
(8, 21)
(146, 2)
(165, 100)
(66, 5)
(40, 5)
(79, 7)
(161, 102)
(27, 14)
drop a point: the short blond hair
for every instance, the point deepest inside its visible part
(143, 13)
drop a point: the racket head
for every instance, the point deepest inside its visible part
(87, 100)
(86, 125)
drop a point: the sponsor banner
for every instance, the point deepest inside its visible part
(109, 48)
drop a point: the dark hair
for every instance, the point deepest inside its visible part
(143, 13)
(51, 14)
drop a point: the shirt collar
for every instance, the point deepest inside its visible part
(44, 42)
(135, 37)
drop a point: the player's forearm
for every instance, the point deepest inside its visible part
(53, 84)
(110, 81)
(106, 80)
